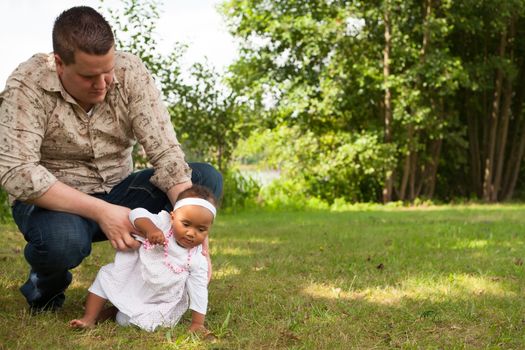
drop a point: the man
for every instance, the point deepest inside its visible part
(68, 123)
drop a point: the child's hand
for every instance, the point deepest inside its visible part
(156, 237)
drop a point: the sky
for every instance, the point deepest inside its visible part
(26, 25)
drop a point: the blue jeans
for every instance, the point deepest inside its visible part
(58, 241)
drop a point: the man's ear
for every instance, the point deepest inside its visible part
(59, 64)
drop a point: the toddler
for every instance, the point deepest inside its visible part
(156, 284)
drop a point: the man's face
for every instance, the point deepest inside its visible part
(89, 78)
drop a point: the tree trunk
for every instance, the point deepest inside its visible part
(509, 192)
(474, 149)
(505, 117)
(488, 171)
(413, 174)
(502, 139)
(407, 164)
(431, 182)
(428, 183)
(517, 149)
(419, 178)
(389, 179)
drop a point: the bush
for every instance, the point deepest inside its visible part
(5, 208)
(325, 166)
(284, 194)
(240, 192)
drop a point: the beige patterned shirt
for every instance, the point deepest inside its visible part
(46, 136)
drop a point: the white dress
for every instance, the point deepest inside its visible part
(145, 290)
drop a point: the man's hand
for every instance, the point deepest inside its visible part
(114, 222)
(112, 219)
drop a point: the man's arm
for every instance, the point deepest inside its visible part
(174, 191)
(153, 129)
(112, 219)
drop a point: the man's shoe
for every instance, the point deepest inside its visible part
(53, 305)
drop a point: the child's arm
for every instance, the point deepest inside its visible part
(197, 286)
(197, 322)
(146, 228)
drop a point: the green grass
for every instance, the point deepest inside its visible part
(434, 278)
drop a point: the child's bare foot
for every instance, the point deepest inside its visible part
(82, 323)
(106, 314)
(89, 321)
(202, 332)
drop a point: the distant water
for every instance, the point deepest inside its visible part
(263, 177)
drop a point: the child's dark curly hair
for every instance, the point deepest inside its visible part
(198, 191)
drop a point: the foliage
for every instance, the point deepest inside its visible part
(134, 24)
(239, 191)
(409, 98)
(333, 165)
(5, 208)
(320, 61)
(211, 118)
(208, 118)
(450, 85)
(290, 195)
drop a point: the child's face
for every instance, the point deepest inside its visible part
(191, 224)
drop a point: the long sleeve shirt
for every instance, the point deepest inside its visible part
(45, 136)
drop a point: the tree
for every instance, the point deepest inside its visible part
(134, 24)
(488, 37)
(356, 67)
(209, 118)
(212, 118)
(402, 98)
(388, 138)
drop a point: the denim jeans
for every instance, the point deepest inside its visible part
(58, 242)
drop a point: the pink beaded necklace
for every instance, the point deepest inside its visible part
(174, 269)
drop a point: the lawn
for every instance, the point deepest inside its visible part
(430, 278)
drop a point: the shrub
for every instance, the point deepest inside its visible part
(5, 208)
(240, 192)
(325, 166)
